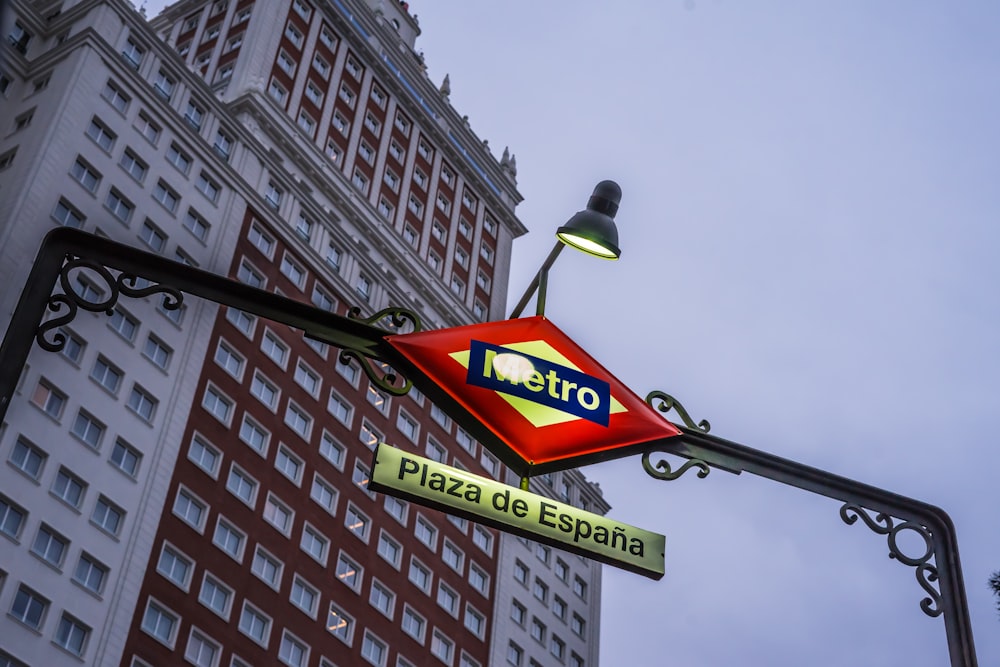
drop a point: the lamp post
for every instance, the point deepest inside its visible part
(591, 230)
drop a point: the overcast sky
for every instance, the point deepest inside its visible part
(809, 242)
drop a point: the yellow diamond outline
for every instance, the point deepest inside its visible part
(539, 415)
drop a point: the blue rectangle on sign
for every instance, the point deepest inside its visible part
(539, 381)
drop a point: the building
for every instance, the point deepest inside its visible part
(189, 484)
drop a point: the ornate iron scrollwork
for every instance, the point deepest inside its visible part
(397, 318)
(668, 403)
(69, 303)
(661, 469)
(883, 524)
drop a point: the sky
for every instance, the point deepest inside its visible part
(809, 239)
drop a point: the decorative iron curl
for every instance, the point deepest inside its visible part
(397, 316)
(926, 573)
(71, 301)
(384, 381)
(668, 403)
(661, 469)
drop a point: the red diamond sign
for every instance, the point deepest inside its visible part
(544, 397)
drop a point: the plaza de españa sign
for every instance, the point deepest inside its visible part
(543, 396)
(510, 509)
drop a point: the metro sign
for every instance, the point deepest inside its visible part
(546, 400)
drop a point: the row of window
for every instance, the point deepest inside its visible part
(557, 647)
(52, 401)
(30, 608)
(522, 574)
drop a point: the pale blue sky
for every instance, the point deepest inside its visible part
(809, 246)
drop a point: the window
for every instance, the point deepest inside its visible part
(201, 650)
(389, 549)
(521, 572)
(447, 599)
(360, 181)
(126, 458)
(88, 429)
(486, 252)
(374, 650)
(215, 595)
(307, 378)
(426, 532)
(407, 425)
(419, 575)
(349, 572)
(382, 599)
(542, 552)
(217, 404)
(243, 321)
(278, 515)
(369, 434)
(293, 35)
(457, 286)
(49, 545)
(304, 596)
(340, 123)
(223, 145)
(378, 96)
(298, 420)
(413, 624)
(100, 135)
(114, 96)
(357, 522)
(514, 654)
(164, 85)
(490, 463)
(324, 494)
(288, 464)
(293, 652)
(332, 450)
(90, 573)
(580, 587)
(178, 158)
(321, 66)
(68, 215)
(84, 175)
(306, 122)
(29, 607)
(11, 517)
(194, 115)
(475, 621)
(273, 195)
(264, 391)
(293, 271)
(255, 624)
(540, 590)
(372, 124)
(242, 485)
(190, 509)
(277, 92)
(304, 227)
(517, 612)
(28, 458)
(578, 625)
(425, 151)
(175, 566)
(204, 455)
(157, 352)
(68, 488)
(108, 516)
(249, 275)
(333, 151)
(397, 509)
(207, 186)
(340, 624)
(444, 205)
(254, 435)
(442, 647)
(453, 556)
(315, 544)
(479, 579)
(314, 94)
(266, 567)
(557, 647)
(167, 198)
(160, 623)
(286, 63)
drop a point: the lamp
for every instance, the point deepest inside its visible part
(592, 231)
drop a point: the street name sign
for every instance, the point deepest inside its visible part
(544, 397)
(427, 482)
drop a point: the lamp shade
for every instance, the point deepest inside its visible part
(593, 230)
